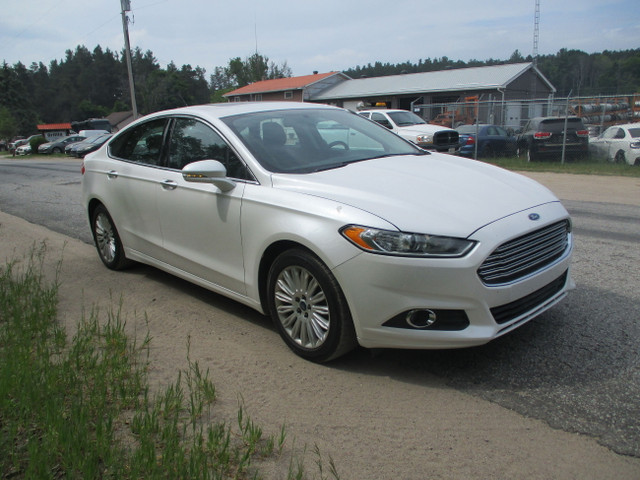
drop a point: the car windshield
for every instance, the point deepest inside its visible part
(467, 129)
(405, 119)
(310, 140)
(634, 132)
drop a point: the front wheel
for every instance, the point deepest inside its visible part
(621, 158)
(107, 240)
(308, 307)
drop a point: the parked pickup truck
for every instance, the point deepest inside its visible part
(413, 128)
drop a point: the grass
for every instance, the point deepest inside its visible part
(81, 407)
(589, 166)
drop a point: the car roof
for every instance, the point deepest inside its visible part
(221, 110)
(383, 110)
(627, 125)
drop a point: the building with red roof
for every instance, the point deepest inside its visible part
(295, 89)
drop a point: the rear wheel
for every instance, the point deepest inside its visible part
(488, 152)
(308, 307)
(107, 240)
(531, 157)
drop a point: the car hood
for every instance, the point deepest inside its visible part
(422, 128)
(436, 194)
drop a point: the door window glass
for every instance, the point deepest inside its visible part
(192, 140)
(142, 143)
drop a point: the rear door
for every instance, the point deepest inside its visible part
(132, 175)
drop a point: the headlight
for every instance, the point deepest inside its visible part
(635, 144)
(424, 138)
(388, 242)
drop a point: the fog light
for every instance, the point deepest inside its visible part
(421, 318)
(429, 319)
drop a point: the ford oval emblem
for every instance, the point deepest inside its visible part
(534, 216)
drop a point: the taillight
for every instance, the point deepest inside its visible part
(82, 168)
(470, 141)
(582, 133)
(542, 135)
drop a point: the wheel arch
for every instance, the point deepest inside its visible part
(267, 259)
(91, 207)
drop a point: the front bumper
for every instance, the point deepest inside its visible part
(381, 288)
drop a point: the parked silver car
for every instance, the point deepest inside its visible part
(366, 240)
(58, 145)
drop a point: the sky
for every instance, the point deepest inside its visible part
(314, 35)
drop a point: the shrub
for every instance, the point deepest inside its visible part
(35, 142)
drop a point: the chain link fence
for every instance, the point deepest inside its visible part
(597, 113)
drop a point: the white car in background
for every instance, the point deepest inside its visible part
(618, 143)
(24, 149)
(415, 129)
(373, 241)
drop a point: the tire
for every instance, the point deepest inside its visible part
(521, 151)
(620, 157)
(107, 240)
(56, 150)
(308, 307)
(488, 152)
(531, 156)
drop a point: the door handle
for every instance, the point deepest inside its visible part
(112, 174)
(169, 185)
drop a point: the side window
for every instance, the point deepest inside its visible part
(142, 144)
(620, 133)
(381, 119)
(502, 132)
(192, 140)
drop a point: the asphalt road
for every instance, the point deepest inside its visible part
(577, 366)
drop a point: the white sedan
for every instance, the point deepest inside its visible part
(618, 143)
(343, 232)
(24, 149)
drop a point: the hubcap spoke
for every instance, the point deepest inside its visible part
(105, 238)
(302, 307)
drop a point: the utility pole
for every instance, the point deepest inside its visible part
(534, 77)
(536, 32)
(126, 7)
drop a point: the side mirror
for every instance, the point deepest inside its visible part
(208, 171)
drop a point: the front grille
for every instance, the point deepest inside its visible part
(505, 313)
(525, 255)
(446, 138)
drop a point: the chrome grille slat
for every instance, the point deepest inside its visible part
(524, 255)
(521, 244)
(523, 267)
(521, 255)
